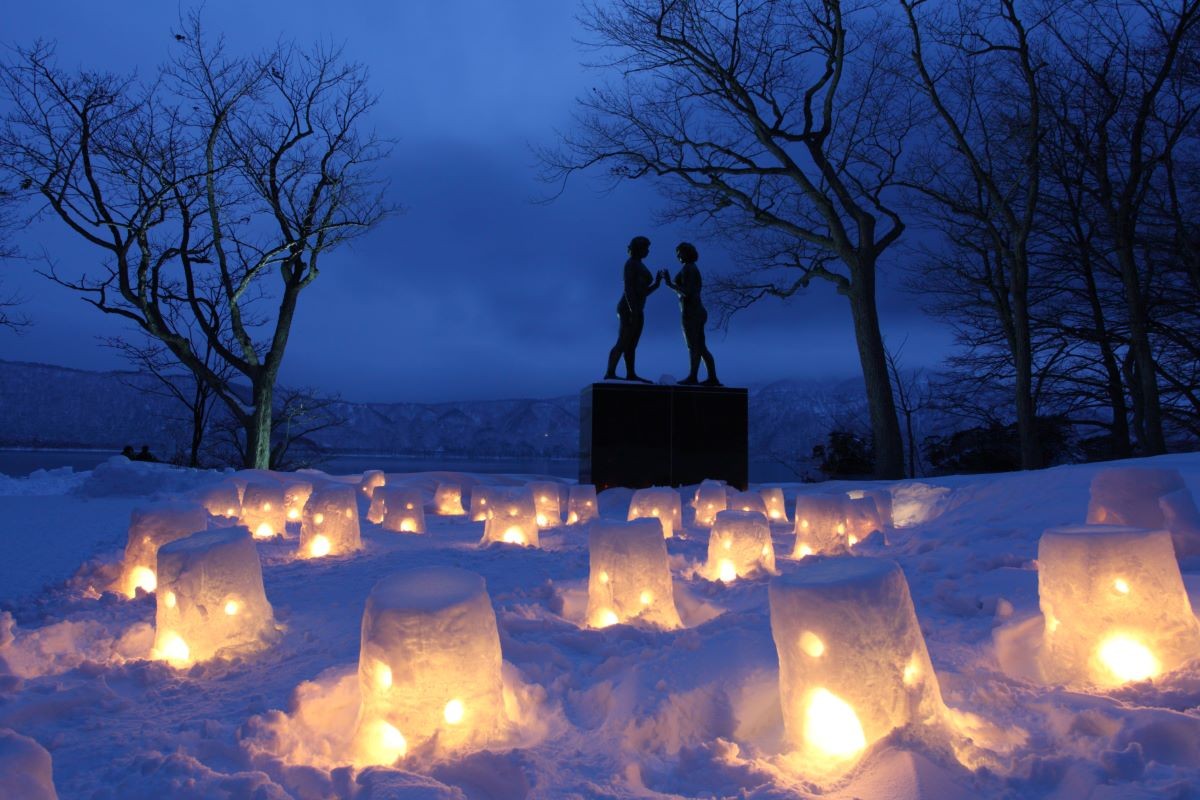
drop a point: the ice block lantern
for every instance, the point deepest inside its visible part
(223, 499)
(481, 502)
(447, 500)
(661, 503)
(629, 577)
(820, 524)
(264, 510)
(210, 597)
(582, 506)
(546, 501)
(372, 479)
(330, 525)
(711, 497)
(862, 519)
(1146, 498)
(429, 666)
(852, 661)
(747, 501)
(1114, 604)
(295, 495)
(402, 509)
(776, 506)
(513, 519)
(151, 527)
(739, 544)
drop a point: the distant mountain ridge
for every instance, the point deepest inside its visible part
(42, 405)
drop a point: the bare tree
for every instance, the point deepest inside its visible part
(913, 397)
(225, 178)
(299, 415)
(775, 123)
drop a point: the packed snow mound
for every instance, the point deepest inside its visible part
(25, 768)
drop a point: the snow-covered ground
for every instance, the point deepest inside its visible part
(624, 711)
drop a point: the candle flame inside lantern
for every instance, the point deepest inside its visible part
(513, 535)
(603, 576)
(266, 507)
(142, 578)
(264, 531)
(1121, 586)
(646, 597)
(170, 600)
(812, 645)
(841, 528)
(912, 671)
(831, 727)
(1127, 659)
(229, 512)
(853, 540)
(174, 650)
(454, 711)
(605, 618)
(803, 550)
(232, 607)
(386, 744)
(541, 520)
(775, 514)
(726, 571)
(408, 525)
(319, 546)
(293, 513)
(318, 518)
(572, 518)
(804, 524)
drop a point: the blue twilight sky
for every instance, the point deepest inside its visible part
(475, 292)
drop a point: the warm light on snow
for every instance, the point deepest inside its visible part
(811, 644)
(454, 711)
(1121, 586)
(1127, 659)
(382, 744)
(605, 617)
(142, 578)
(173, 649)
(264, 531)
(831, 727)
(232, 607)
(513, 535)
(726, 571)
(319, 547)
(408, 525)
(169, 599)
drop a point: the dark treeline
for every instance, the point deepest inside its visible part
(1032, 166)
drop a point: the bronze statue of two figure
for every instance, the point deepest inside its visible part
(638, 435)
(631, 312)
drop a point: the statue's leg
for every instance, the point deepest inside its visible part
(618, 349)
(636, 323)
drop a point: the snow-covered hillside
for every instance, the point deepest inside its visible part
(619, 712)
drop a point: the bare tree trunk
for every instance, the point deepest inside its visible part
(881, 404)
(1146, 388)
(258, 426)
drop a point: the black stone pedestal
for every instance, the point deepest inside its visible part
(639, 435)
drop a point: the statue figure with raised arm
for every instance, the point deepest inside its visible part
(687, 284)
(631, 310)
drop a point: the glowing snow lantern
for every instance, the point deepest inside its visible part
(330, 523)
(223, 499)
(295, 495)
(747, 501)
(1155, 499)
(481, 502)
(820, 524)
(1114, 604)
(372, 479)
(264, 509)
(402, 509)
(448, 500)
(513, 519)
(775, 504)
(210, 597)
(661, 503)
(581, 504)
(862, 519)
(629, 577)
(852, 661)
(710, 498)
(547, 502)
(739, 544)
(150, 527)
(429, 666)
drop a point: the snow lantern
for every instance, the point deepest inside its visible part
(661, 503)
(150, 527)
(1145, 498)
(820, 524)
(210, 597)
(776, 506)
(222, 499)
(582, 506)
(330, 524)
(739, 544)
(547, 502)
(402, 508)
(429, 666)
(481, 502)
(852, 661)
(513, 519)
(746, 501)
(709, 499)
(372, 479)
(448, 500)
(629, 577)
(1114, 604)
(264, 510)
(295, 495)
(862, 519)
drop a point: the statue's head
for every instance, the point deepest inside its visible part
(639, 247)
(687, 253)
